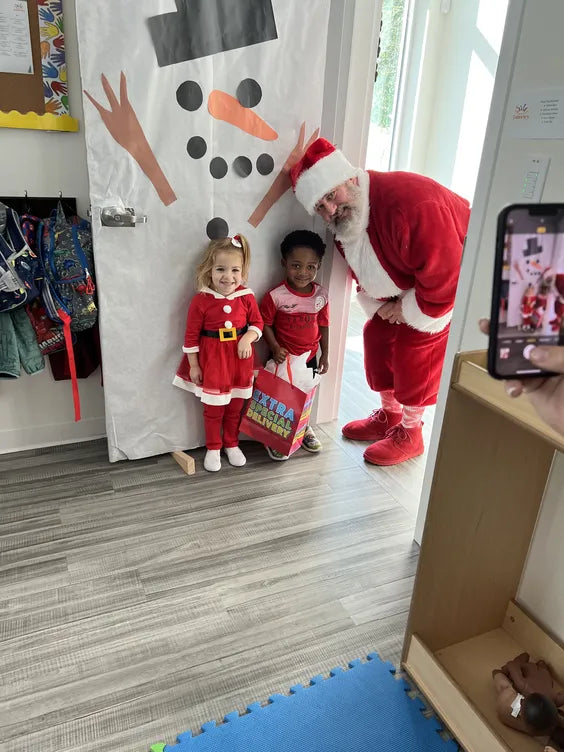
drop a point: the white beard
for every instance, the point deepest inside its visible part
(351, 227)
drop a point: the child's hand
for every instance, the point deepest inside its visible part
(323, 366)
(279, 355)
(196, 375)
(244, 346)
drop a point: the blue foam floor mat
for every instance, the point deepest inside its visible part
(362, 709)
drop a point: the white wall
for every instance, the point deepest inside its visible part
(36, 410)
(451, 60)
(532, 56)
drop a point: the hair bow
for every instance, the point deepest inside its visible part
(236, 241)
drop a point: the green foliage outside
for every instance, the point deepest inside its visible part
(385, 84)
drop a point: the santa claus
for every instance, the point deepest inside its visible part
(527, 308)
(402, 235)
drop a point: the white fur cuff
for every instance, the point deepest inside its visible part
(415, 317)
(368, 304)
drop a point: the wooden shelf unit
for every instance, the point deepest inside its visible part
(492, 466)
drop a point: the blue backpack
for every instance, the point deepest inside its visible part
(68, 260)
(19, 266)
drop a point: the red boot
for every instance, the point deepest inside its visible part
(372, 428)
(399, 445)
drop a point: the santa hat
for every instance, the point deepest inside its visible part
(322, 168)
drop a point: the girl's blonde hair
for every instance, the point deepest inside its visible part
(203, 274)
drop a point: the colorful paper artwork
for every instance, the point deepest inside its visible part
(53, 61)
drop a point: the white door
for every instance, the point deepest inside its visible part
(193, 110)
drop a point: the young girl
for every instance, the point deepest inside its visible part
(223, 321)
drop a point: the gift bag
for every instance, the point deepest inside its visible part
(278, 412)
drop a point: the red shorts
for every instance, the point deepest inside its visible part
(405, 360)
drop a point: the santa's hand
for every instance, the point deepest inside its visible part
(545, 394)
(391, 312)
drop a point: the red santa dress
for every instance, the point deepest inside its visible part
(214, 325)
(411, 250)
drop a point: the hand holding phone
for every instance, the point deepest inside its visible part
(528, 289)
(545, 394)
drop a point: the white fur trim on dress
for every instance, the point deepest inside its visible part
(257, 330)
(191, 349)
(415, 317)
(322, 177)
(231, 296)
(213, 399)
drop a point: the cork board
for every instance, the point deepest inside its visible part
(40, 100)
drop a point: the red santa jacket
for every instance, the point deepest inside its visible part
(412, 245)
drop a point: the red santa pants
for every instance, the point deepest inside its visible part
(226, 416)
(405, 360)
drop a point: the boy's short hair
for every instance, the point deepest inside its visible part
(305, 238)
(539, 713)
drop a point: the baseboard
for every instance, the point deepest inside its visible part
(55, 434)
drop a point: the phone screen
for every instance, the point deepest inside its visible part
(528, 288)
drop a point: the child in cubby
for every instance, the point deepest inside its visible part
(296, 313)
(223, 322)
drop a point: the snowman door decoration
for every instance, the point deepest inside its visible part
(197, 29)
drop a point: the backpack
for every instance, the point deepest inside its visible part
(68, 260)
(19, 266)
(68, 285)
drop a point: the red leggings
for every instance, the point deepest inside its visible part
(226, 416)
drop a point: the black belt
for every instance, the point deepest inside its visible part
(225, 335)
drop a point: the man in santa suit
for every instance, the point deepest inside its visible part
(527, 308)
(401, 235)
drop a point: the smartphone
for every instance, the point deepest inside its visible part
(528, 288)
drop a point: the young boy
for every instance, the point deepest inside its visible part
(296, 313)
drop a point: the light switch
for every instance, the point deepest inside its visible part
(534, 178)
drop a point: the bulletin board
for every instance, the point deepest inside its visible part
(39, 100)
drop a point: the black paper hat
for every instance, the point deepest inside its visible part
(205, 27)
(533, 248)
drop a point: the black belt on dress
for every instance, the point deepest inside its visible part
(225, 335)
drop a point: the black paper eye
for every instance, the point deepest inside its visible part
(189, 95)
(249, 93)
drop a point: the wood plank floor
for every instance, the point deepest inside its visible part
(136, 602)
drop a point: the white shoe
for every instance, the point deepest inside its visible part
(212, 460)
(235, 456)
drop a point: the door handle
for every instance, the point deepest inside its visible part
(116, 216)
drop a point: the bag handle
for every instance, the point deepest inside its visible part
(288, 370)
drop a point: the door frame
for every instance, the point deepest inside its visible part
(352, 48)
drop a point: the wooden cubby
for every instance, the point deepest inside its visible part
(494, 459)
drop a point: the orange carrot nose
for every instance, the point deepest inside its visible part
(223, 106)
